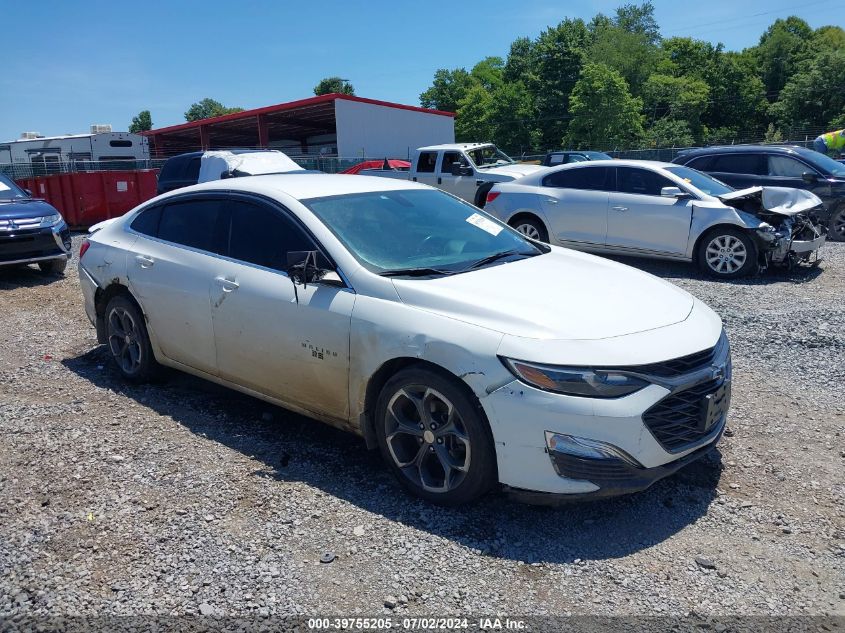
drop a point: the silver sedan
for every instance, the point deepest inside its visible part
(662, 210)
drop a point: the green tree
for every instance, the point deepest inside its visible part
(331, 85)
(668, 132)
(737, 94)
(447, 90)
(208, 108)
(782, 48)
(814, 96)
(142, 122)
(512, 118)
(488, 72)
(472, 122)
(604, 114)
(677, 98)
(627, 42)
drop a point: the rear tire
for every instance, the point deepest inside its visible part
(727, 253)
(837, 225)
(128, 340)
(532, 228)
(53, 266)
(434, 438)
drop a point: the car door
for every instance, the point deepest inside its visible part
(462, 186)
(170, 272)
(426, 170)
(786, 171)
(739, 170)
(574, 201)
(640, 218)
(290, 343)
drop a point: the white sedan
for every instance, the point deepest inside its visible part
(468, 354)
(652, 209)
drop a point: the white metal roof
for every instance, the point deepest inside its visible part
(65, 137)
(454, 146)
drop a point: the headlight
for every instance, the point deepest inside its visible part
(50, 220)
(576, 381)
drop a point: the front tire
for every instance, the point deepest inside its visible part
(434, 438)
(837, 225)
(727, 253)
(128, 340)
(53, 266)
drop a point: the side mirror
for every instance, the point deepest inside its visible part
(674, 192)
(306, 267)
(809, 177)
(461, 170)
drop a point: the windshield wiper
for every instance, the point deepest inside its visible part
(497, 256)
(416, 272)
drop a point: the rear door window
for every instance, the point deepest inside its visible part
(147, 222)
(591, 178)
(261, 235)
(754, 164)
(450, 158)
(641, 181)
(426, 162)
(195, 223)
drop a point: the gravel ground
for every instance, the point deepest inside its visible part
(183, 497)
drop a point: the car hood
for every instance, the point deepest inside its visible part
(26, 208)
(781, 200)
(510, 172)
(560, 295)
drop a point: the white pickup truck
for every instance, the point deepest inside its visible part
(467, 170)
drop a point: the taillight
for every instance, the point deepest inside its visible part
(492, 195)
(85, 246)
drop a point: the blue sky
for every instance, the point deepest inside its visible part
(70, 64)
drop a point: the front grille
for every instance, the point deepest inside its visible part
(19, 223)
(677, 366)
(676, 421)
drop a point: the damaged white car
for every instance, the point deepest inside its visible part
(469, 355)
(661, 210)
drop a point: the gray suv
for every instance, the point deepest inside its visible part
(743, 166)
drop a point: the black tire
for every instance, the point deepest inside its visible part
(530, 227)
(420, 396)
(727, 253)
(481, 194)
(133, 356)
(53, 266)
(837, 225)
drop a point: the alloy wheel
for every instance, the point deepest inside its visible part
(125, 338)
(726, 254)
(427, 439)
(838, 228)
(529, 230)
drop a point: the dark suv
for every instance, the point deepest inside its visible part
(31, 231)
(184, 170)
(743, 166)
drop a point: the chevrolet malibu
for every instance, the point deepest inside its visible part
(470, 355)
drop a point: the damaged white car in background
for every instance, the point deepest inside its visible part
(652, 209)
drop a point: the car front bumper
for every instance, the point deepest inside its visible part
(35, 245)
(645, 436)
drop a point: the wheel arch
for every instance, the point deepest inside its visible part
(390, 368)
(706, 231)
(528, 214)
(481, 193)
(102, 296)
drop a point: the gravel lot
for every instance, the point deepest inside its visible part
(184, 497)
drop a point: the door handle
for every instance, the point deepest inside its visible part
(619, 208)
(439, 180)
(551, 200)
(228, 285)
(146, 262)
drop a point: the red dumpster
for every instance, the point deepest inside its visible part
(86, 198)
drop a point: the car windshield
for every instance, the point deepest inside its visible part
(700, 181)
(10, 191)
(825, 163)
(418, 232)
(488, 156)
(597, 156)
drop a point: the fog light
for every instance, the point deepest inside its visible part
(584, 448)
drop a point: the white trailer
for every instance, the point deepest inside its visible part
(46, 154)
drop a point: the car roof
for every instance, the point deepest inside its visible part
(455, 146)
(233, 151)
(303, 186)
(616, 162)
(744, 149)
